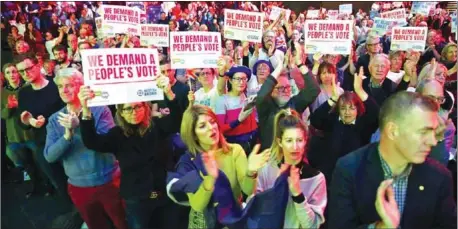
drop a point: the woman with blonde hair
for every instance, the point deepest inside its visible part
(307, 201)
(143, 158)
(210, 157)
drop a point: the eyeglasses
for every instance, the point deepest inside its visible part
(23, 71)
(129, 110)
(203, 74)
(283, 88)
(240, 79)
(439, 99)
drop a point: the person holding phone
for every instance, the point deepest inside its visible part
(238, 124)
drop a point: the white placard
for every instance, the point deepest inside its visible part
(154, 34)
(275, 13)
(328, 36)
(394, 14)
(405, 38)
(195, 49)
(243, 25)
(122, 75)
(333, 14)
(313, 14)
(120, 19)
(383, 26)
(346, 9)
(423, 8)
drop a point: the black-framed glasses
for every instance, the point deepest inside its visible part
(129, 110)
(244, 79)
(438, 99)
(283, 88)
(23, 71)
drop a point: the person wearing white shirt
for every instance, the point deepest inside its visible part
(268, 51)
(208, 93)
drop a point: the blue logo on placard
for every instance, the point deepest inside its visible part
(140, 92)
(210, 61)
(340, 48)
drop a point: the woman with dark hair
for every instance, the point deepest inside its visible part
(347, 121)
(235, 111)
(34, 38)
(307, 186)
(13, 38)
(143, 158)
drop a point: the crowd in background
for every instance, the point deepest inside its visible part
(267, 109)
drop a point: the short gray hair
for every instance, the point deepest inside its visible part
(423, 83)
(69, 73)
(380, 56)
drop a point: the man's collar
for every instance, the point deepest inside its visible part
(373, 84)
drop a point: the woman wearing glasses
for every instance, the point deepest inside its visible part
(143, 158)
(235, 111)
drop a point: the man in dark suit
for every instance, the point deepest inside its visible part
(392, 184)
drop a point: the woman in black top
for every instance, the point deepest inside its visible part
(347, 121)
(139, 147)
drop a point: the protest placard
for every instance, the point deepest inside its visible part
(275, 13)
(394, 14)
(423, 8)
(383, 26)
(195, 49)
(120, 19)
(404, 38)
(243, 25)
(346, 8)
(453, 17)
(154, 34)
(122, 75)
(328, 36)
(333, 14)
(139, 5)
(313, 14)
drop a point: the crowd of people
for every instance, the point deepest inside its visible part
(274, 137)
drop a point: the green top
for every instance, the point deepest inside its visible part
(12, 118)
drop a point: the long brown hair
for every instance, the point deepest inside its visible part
(139, 129)
(188, 126)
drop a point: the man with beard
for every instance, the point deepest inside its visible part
(268, 51)
(275, 94)
(61, 54)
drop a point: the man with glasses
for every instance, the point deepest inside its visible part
(37, 102)
(208, 93)
(445, 134)
(373, 47)
(275, 94)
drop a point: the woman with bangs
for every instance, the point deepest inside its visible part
(143, 158)
(209, 157)
(348, 121)
(307, 186)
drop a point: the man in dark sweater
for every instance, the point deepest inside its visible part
(275, 94)
(37, 102)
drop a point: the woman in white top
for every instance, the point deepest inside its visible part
(396, 59)
(307, 201)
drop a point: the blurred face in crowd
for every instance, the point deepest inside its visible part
(203, 28)
(239, 82)
(22, 47)
(379, 68)
(416, 135)
(396, 63)
(373, 48)
(134, 113)
(14, 30)
(296, 36)
(363, 23)
(49, 67)
(432, 38)
(348, 112)
(30, 26)
(83, 32)
(49, 36)
(451, 54)
(163, 16)
(168, 71)
(68, 89)
(207, 131)
(84, 46)
(282, 91)
(206, 77)
(40, 59)
(12, 75)
(172, 25)
(72, 41)
(332, 59)
(440, 74)
(269, 39)
(265, 24)
(293, 17)
(327, 77)
(262, 71)
(29, 71)
(435, 91)
(229, 45)
(293, 143)
(61, 56)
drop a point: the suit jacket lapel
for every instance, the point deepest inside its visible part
(414, 195)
